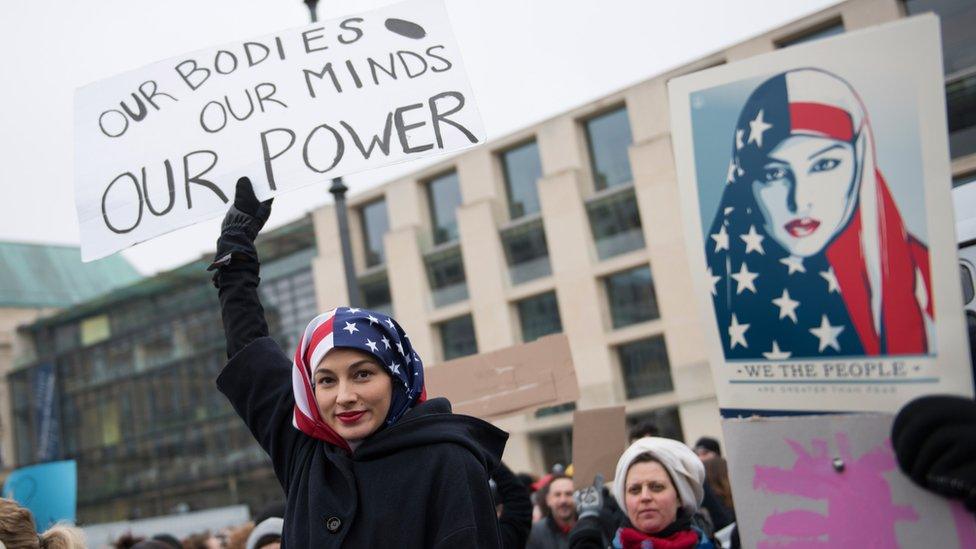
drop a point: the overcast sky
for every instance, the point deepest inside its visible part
(527, 60)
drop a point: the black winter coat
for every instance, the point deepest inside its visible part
(420, 483)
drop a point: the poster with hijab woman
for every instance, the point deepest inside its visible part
(815, 184)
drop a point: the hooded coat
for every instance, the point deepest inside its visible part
(420, 482)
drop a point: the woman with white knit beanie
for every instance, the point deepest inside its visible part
(658, 485)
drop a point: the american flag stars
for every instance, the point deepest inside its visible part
(721, 239)
(831, 278)
(827, 334)
(737, 333)
(787, 306)
(744, 279)
(757, 128)
(753, 241)
(793, 264)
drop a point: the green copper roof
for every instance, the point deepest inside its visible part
(42, 275)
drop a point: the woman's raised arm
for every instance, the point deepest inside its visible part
(236, 269)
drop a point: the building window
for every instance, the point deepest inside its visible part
(526, 251)
(645, 368)
(445, 272)
(608, 137)
(557, 409)
(443, 200)
(667, 421)
(374, 290)
(556, 447)
(154, 349)
(375, 224)
(958, 19)
(615, 223)
(831, 28)
(963, 180)
(457, 337)
(539, 316)
(630, 295)
(522, 169)
(968, 292)
(289, 303)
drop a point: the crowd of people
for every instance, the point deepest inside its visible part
(366, 459)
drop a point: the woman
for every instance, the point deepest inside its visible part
(808, 255)
(658, 483)
(717, 478)
(17, 531)
(364, 458)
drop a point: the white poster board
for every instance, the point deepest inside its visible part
(815, 188)
(161, 147)
(832, 481)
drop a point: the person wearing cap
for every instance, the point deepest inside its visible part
(658, 483)
(364, 457)
(707, 448)
(265, 535)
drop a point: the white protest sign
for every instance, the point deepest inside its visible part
(815, 187)
(161, 147)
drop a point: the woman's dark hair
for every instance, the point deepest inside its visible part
(644, 429)
(127, 541)
(717, 477)
(169, 539)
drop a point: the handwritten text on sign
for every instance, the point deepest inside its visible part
(161, 147)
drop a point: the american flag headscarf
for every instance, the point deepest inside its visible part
(867, 292)
(367, 331)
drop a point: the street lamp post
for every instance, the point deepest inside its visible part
(311, 9)
(338, 190)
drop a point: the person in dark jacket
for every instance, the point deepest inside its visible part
(515, 517)
(552, 531)
(364, 458)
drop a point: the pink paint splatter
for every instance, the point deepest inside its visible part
(860, 512)
(965, 526)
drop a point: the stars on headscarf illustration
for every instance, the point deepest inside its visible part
(737, 333)
(744, 279)
(787, 306)
(757, 128)
(776, 354)
(827, 334)
(721, 239)
(831, 278)
(793, 264)
(753, 241)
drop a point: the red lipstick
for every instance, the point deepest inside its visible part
(804, 226)
(350, 417)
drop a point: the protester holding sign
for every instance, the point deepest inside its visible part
(658, 482)
(364, 458)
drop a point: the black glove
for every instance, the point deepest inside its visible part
(934, 438)
(241, 226)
